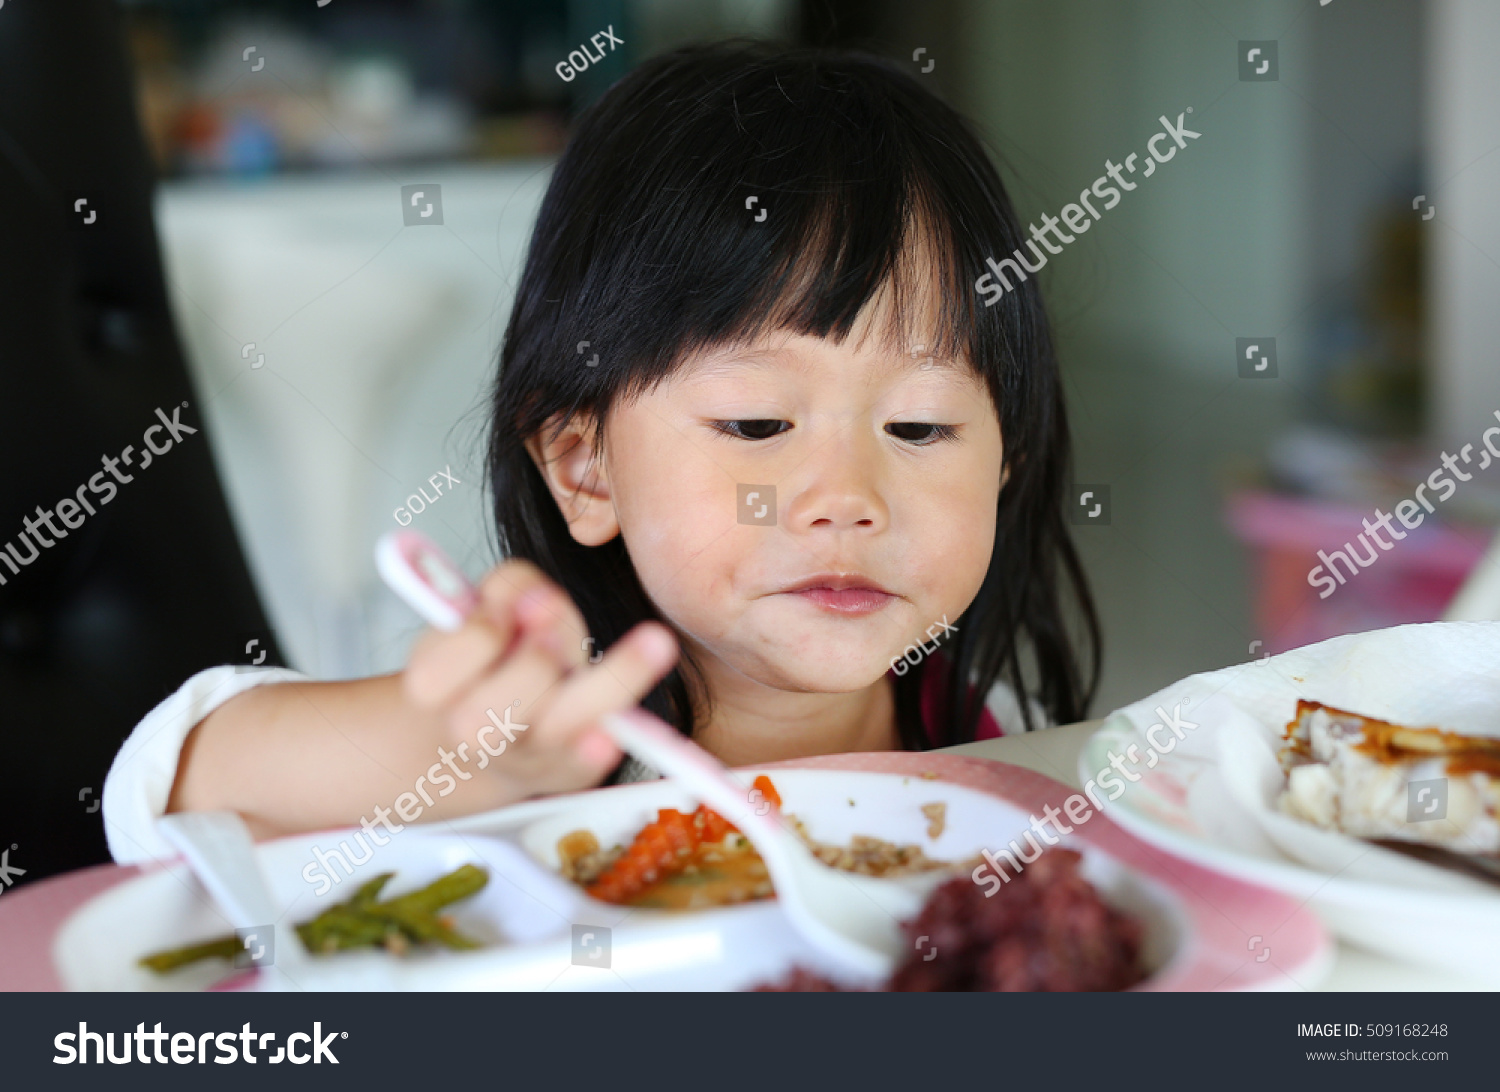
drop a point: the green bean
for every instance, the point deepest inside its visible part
(368, 892)
(415, 912)
(462, 882)
(343, 925)
(162, 962)
(359, 922)
(420, 926)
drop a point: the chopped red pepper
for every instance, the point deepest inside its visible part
(666, 846)
(768, 790)
(713, 826)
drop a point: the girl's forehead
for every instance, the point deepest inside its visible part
(788, 351)
(899, 328)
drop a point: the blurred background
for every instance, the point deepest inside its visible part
(1334, 210)
(1333, 207)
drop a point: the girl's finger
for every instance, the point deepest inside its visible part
(561, 749)
(591, 759)
(505, 585)
(633, 665)
(548, 757)
(443, 664)
(525, 683)
(597, 752)
(581, 765)
(548, 615)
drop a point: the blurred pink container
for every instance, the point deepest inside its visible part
(1413, 582)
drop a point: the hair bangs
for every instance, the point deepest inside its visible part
(887, 254)
(785, 196)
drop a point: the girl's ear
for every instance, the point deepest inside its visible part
(573, 468)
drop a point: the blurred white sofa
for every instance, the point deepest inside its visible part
(379, 342)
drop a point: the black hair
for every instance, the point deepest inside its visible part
(645, 248)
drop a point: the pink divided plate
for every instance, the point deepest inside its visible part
(1203, 930)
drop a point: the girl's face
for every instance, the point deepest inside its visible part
(801, 511)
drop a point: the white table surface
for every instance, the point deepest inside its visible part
(1055, 751)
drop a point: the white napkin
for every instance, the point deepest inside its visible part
(1445, 674)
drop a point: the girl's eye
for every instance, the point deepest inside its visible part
(759, 429)
(919, 433)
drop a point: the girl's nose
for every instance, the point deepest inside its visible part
(840, 494)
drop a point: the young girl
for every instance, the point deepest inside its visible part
(802, 454)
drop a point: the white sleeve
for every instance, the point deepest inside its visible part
(140, 779)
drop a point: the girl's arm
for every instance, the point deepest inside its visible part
(495, 712)
(311, 755)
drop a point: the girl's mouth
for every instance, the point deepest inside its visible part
(846, 601)
(849, 595)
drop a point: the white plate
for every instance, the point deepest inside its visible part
(545, 934)
(1211, 800)
(98, 947)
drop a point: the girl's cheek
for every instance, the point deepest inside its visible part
(684, 510)
(955, 532)
(658, 486)
(676, 538)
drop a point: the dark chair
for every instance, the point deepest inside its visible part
(152, 586)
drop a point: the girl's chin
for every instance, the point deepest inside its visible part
(803, 674)
(785, 656)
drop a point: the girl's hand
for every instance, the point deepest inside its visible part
(523, 652)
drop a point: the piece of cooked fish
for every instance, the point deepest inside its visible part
(1356, 774)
